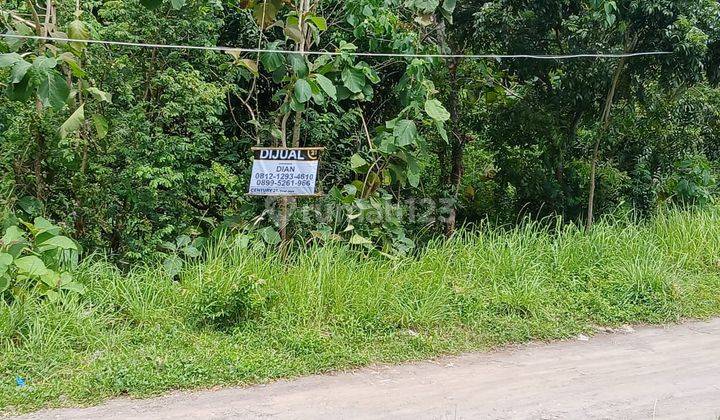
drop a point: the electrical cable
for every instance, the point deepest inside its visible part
(337, 53)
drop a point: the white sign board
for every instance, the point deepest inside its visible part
(284, 172)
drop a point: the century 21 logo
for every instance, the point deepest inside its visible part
(288, 154)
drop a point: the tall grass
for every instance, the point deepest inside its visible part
(248, 316)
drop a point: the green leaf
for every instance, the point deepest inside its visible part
(12, 234)
(80, 31)
(44, 63)
(177, 4)
(406, 132)
(327, 86)
(448, 8)
(4, 283)
(357, 161)
(303, 91)
(9, 59)
(413, 178)
(359, 240)
(250, 65)
(183, 241)
(73, 123)
(272, 61)
(101, 126)
(192, 252)
(369, 72)
(51, 279)
(449, 5)
(173, 265)
(441, 129)
(73, 287)
(436, 110)
(320, 22)
(423, 6)
(270, 236)
(59, 242)
(31, 266)
(353, 79)
(265, 14)
(5, 262)
(19, 71)
(42, 225)
(293, 32)
(70, 59)
(53, 90)
(99, 94)
(299, 65)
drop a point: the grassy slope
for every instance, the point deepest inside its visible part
(330, 309)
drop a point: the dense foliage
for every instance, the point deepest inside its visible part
(136, 150)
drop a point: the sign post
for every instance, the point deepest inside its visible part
(283, 172)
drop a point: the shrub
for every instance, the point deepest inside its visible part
(223, 297)
(35, 257)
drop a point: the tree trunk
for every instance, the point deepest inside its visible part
(603, 132)
(41, 30)
(457, 152)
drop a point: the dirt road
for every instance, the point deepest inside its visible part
(669, 372)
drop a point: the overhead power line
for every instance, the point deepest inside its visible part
(336, 53)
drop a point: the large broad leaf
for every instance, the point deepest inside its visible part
(42, 225)
(78, 30)
(73, 123)
(318, 21)
(441, 129)
(294, 33)
(353, 79)
(357, 162)
(5, 261)
(100, 95)
(423, 6)
(250, 65)
(359, 240)
(19, 71)
(9, 60)
(12, 234)
(303, 91)
(270, 236)
(173, 265)
(53, 90)
(4, 283)
(327, 86)
(436, 110)
(448, 8)
(299, 65)
(73, 287)
(413, 178)
(31, 266)
(101, 126)
(265, 14)
(272, 61)
(59, 242)
(406, 132)
(71, 60)
(43, 63)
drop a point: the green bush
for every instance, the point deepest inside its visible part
(222, 297)
(36, 258)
